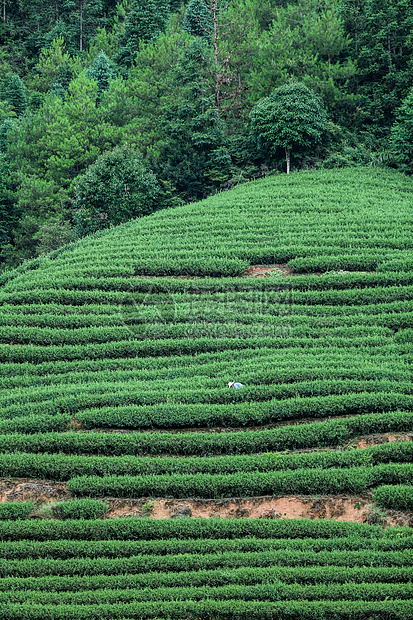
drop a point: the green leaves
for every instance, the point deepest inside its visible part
(145, 21)
(401, 140)
(101, 71)
(15, 510)
(307, 481)
(292, 117)
(116, 188)
(15, 94)
(396, 497)
(79, 509)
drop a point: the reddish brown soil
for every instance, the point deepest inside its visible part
(338, 507)
(263, 271)
(26, 489)
(373, 440)
(341, 508)
(283, 270)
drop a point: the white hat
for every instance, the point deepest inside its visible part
(230, 384)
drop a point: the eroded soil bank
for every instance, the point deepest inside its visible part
(361, 509)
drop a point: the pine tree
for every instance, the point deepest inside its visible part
(5, 129)
(8, 212)
(402, 135)
(53, 61)
(70, 134)
(15, 94)
(101, 72)
(192, 153)
(145, 21)
(89, 19)
(197, 20)
(382, 30)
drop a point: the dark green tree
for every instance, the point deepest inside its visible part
(192, 154)
(197, 20)
(145, 21)
(116, 188)
(292, 118)
(89, 19)
(382, 30)
(401, 140)
(351, 13)
(8, 199)
(101, 72)
(54, 62)
(15, 94)
(5, 129)
(209, 17)
(307, 41)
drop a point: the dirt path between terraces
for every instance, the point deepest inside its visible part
(283, 270)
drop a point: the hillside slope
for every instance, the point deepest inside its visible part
(116, 355)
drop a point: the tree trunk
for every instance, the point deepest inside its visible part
(214, 9)
(81, 24)
(4, 10)
(288, 159)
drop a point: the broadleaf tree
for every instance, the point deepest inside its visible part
(292, 118)
(116, 188)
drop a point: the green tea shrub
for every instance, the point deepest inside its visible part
(80, 509)
(15, 510)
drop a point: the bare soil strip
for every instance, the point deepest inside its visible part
(282, 270)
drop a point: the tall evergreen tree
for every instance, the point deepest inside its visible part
(8, 212)
(384, 57)
(5, 129)
(15, 94)
(208, 19)
(197, 20)
(307, 41)
(192, 156)
(145, 21)
(53, 62)
(101, 72)
(90, 13)
(402, 135)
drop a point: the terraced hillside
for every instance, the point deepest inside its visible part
(116, 355)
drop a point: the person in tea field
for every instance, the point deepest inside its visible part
(235, 385)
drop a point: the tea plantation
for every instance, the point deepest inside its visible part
(116, 353)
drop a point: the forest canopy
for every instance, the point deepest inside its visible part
(174, 88)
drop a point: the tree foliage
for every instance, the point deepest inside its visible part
(53, 64)
(116, 188)
(292, 118)
(15, 94)
(101, 72)
(402, 134)
(197, 20)
(145, 21)
(178, 82)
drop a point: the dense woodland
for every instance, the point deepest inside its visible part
(110, 110)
